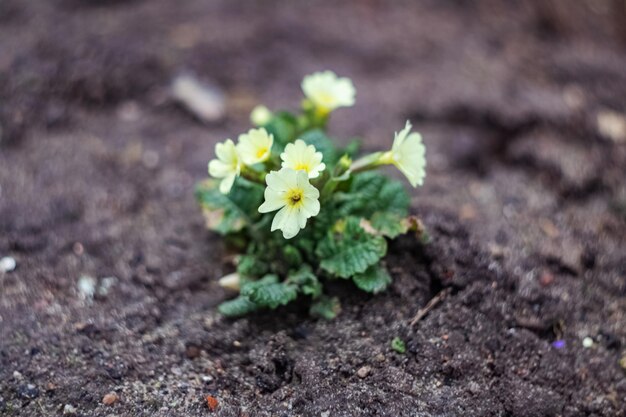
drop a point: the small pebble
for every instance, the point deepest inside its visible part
(106, 284)
(192, 351)
(364, 371)
(87, 287)
(206, 102)
(211, 402)
(612, 125)
(110, 399)
(546, 279)
(69, 410)
(28, 391)
(150, 159)
(17, 375)
(7, 264)
(587, 342)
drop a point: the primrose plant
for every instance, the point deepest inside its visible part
(302, 210)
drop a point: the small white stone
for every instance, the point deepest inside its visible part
(69, 410)
(106, 284)
(612, 125)
(17, 375)
(204, 101)
(587, 342)
(364, 371)
(150, 159)
(87, 287)
(7, 264)
(230, 281)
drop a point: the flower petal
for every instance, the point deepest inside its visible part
(227, 183)
(273, 200)
(311, 206)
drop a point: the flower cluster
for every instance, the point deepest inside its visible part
(333, 210)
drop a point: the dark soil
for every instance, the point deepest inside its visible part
(525, 204)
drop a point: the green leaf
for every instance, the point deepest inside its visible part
(350, 252)
(398, 345)
(250, 266)
(292, 255)
(237, 307)
(268, 292)
(389, 224)
(374, 280)
(304, 244)
(352, 148)
(250, 287)
(306, 281)
(284, 127)
(370, 192)
(325, 307)
(229, 213)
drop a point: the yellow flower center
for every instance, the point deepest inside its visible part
(260, 152)
(295, 198)
(325, 98)
(302, 166)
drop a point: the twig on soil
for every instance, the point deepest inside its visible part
(430, 305)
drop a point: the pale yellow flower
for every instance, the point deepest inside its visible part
(302, 157)
(255, 146)
(260, 115)
(408, 154)
(296, 200)
(227, 166)
(327, 92)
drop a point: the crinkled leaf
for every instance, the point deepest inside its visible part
(237, 307)
(351, 251)
(398, 345)
(306, 281)
(389, 224)
(228, 213)
(325, 307)
(292, 255)
(306, 245)
(251, 266)
(374, 280)
(370, 192)
(284, 127)
(268, 292)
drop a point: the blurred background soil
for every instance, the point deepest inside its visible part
(111, 308)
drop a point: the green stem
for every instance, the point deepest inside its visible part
(252, 175)
(369, 162)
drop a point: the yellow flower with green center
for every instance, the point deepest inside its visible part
(302, 157)
(327, 91)
(227, 166)
(408, 154)
(255, 146)
(296, 200)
